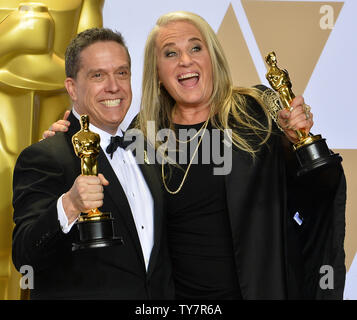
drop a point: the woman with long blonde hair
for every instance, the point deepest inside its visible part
(231, 235)
(226, 102)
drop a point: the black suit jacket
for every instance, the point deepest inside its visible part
(43, 172)
(275, 257)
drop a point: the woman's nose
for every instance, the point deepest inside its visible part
(185, 59)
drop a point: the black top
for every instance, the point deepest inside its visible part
(200, 238)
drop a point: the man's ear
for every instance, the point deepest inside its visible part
(70, 85)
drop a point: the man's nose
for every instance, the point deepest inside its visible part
(113, 84)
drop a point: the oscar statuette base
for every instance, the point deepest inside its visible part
(96, 232)
(315, 154)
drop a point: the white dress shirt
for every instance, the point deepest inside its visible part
(135, 188)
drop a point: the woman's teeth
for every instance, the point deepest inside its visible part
(188, 75)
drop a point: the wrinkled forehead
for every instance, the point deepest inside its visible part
(176, 31)
(102, 54)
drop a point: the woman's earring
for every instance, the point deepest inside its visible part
(159, 89)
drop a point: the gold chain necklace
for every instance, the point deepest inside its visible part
(189, 165)
(196, 134)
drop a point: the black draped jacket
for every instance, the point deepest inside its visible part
(276, 258)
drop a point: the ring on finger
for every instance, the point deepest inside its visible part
(307, 109)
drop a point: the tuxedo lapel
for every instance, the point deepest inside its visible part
(117, 194)
(154, 185)
(75, 125)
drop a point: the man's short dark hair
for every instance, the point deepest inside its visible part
(85, 39)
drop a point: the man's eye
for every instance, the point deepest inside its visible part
(97, 75)
(123, 74)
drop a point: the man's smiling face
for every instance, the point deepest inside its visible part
(102, 87)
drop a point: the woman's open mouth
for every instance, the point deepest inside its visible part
(189, 79)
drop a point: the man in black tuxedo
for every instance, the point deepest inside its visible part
(49, 192)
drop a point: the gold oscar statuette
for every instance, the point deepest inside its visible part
(311, 151)
(96, 228)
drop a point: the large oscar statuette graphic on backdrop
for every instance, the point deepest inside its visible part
(311, 151)
(96, 228)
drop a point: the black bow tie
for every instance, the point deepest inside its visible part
(116, 142)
